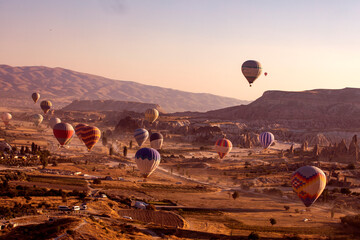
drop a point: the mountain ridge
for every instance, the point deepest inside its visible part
(65, 85)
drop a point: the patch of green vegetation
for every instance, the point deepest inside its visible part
(58, 180)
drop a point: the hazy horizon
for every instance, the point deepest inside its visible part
(189, 46)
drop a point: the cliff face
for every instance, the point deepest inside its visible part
(110, 105)
(316, 109)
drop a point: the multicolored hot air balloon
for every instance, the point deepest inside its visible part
(63, 133)
(37, 119)
(6, 117)
(151, 115)
(251, 70)
(266, 139)
(35, 96)
(156, 140)
(53, 121)
(90, 136)
(78, 130)
(147, 160)
(223, 146)
(141, 134)
(308, 182)
(45, 106)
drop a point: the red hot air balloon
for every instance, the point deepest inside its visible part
(223, 146)
(90, 136)
(63, 133)
(265, 74)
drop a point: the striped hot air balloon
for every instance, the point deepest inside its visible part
(223, 146)
(53, 121)
(147, 160)
(45, 106)
(35, 96)
(63, 133)
(90, 136)
(37, 119)
(151, 115)
(141, 134)
(78, 130)
(6, 117)
(266, 139)
(156, 140)
(308, 182)
(251, 70)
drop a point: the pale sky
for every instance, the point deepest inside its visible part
(190, 45)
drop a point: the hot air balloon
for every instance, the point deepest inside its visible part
(223, 146)
(35, 96)
(90, 136)
(53, 121)
(251, 70)
(78, 130)
(151, 115)
(141, 134)
(308, 182)
(147, 160)
(265, 74)
(63, 133)
(6, 117)
(45, 106)
(266, 139)
(156, 140)
(37, 119)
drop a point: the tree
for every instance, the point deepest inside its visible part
(253, 236)
(125, 151)
(235, 195)
(111, 151)
(272, 221)
(287, 207)
(33, 148)
(97, 181)
(104, 140)
(27, 150)
(44, 160)
(130, 144)
(22, 150)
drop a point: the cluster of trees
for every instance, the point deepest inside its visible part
(351, 220)
(17, 211)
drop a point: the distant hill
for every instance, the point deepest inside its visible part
(110, 105)
(63, 86)
(318, 108)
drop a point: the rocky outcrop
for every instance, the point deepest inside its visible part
(128, 124)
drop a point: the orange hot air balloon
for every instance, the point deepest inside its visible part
(78, 130)
(35, 96)
(45, 106)
(90, 136)
(223, 146)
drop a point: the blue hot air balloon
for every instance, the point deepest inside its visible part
(266, 139)
(147, 160)
(141, 134)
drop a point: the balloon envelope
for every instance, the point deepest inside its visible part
(45, 106)
(156, 140)
(63, 133)
(90, 136)
(147, 160)
(141, 134)
(308, 182)
(37, 119)
(251, 70)
(53, 121)
(223, 146)
(6, 117)
(266, 139)
(78, 130)
(35, 96)
(151, 115)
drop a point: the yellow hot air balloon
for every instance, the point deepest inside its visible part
(6, 117)
(151, 115)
